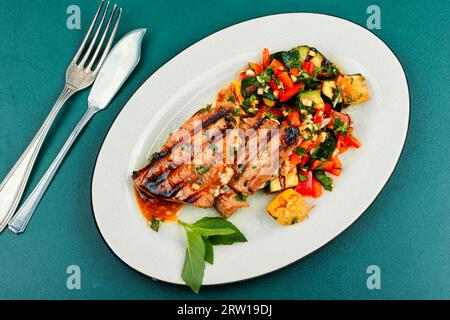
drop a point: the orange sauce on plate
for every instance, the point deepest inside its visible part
(153, 208)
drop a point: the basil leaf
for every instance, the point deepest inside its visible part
(220, 223)
(209, 251)
(326, 181)
(206, 231)
(194, 262)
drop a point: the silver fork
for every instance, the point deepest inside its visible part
(80, 74)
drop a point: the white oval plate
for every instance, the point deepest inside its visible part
(189, 81)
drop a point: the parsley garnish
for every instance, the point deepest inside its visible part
(202, 169)
(240, 197)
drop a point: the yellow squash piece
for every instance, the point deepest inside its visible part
(354, 89)
(289, 207)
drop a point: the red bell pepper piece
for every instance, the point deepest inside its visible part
(261, 111)
(335, 172)
(309, 67)
(286, 95)
(242, 75)
(258, 68)
(336, 163)
(318, 117)
(294, 71)
(327, 165)
(294, 118)
(285, 79)
(277, 66)
(305, 160)
(273, 85)
(327, 109)
(351, 141)
(265, 58)
(315, 164)
(276, 112)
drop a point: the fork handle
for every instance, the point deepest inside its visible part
(13, 186)
(20, 221)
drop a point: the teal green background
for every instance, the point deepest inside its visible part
(406, 231)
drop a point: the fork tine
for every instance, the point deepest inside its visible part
(110, 41)
(80, 50)
(94, 39)
(100, 44)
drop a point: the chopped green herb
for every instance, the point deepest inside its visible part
(202, 169)
(326, 181)
(249, 102)
(340, 126)
(240, 197)
(231, 99)
(302, 177)
(300, 151)
(155, 223)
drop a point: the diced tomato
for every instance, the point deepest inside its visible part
(285, 80)
(294, 118)
(242, 75)
(273, 85)
(309, 67)
(294, 71)
(304, 186)
(258, 68)
(295, 159)
(265, 58)
(327, 109)
(318, 117)
(341, 116)
(310, 186)
(286, 95)
(277, 66)
(317, 188)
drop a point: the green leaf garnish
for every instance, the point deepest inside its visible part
(194, 262)
(325, 180)
(201, 237)
(209, 251)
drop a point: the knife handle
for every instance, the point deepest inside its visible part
(20, 221)
(13, 186)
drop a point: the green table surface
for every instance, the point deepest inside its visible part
(406, 231)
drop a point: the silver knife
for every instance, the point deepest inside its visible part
(119, 64)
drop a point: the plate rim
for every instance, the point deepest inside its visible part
(312, 252)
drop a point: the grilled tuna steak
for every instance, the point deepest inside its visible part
(235, 158)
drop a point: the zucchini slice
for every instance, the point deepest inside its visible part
(316, 57)
(291, 179)
(314, 96)
(354, 89)
(303, 51)
(328, 88)
(275, 185)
